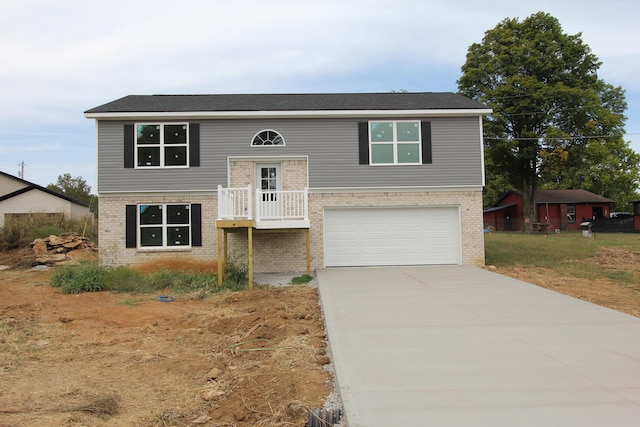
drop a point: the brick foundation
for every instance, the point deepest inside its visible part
(278, 251)
(111, 230)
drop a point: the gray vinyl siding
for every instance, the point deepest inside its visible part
(330, 144)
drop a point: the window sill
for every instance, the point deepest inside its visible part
(162, 167)
(165, 249)
(396, 164)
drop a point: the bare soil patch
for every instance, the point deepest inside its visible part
(252, 358)
(623, 297)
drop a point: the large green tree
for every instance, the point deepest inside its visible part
(555, 123)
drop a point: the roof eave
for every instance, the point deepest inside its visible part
(562, 202)
(117, 115)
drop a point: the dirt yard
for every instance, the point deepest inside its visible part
(254, 358)
(624, 298)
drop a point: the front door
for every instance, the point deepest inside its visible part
(269, 183)
(508, 225)
(597, 212)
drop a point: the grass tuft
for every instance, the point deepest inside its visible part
(87, 277)
(235, 272)
(301, 280)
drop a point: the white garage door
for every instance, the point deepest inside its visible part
(391, 236)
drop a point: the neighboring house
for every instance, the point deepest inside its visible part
(19, 197)
(555, 210)
(297, 181)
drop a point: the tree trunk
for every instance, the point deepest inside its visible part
(528, 208)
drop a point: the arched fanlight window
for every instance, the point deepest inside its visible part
(267, 137)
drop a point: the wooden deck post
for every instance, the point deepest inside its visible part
(250, 244)
(308, 252)
(226, 247)
(221, 260)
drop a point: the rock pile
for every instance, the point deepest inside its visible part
(66, 249)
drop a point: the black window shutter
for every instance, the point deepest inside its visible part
(194, 144)
(363, 142)
(196, 225)
(426, 142)
(128, 146)
(131, 226)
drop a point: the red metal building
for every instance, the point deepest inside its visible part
(555, 210)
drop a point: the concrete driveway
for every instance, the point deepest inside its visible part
(462, 346)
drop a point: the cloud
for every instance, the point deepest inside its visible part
(61, 58)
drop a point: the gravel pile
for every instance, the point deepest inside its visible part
(281, 279)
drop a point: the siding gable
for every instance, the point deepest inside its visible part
(332, 147)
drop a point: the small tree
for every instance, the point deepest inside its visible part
(74, 187)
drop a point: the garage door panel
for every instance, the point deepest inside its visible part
(392, 236)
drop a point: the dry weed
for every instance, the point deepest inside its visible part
(294, 351)
(176, 264)
(102, 406)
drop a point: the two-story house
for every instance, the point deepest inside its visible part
(293, 181)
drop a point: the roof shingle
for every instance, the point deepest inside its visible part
(289, 102)
(569, 196)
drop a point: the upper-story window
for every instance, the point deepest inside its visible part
(267, 137)
(162, 145)
(395, 142)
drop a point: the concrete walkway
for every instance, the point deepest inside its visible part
(462, 346)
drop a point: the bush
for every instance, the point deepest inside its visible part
(235, 272)
(182, 281)
(91, 277)
(75, 280)
(124, 279)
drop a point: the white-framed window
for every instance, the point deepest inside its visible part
(395, 142)
(164, 225)
(571, 214)
(267, 137)
(161, 145)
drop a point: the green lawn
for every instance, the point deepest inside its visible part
(567, 253)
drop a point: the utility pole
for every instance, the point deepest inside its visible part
(21, 173)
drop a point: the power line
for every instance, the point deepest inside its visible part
(568, 137)
(562, 138)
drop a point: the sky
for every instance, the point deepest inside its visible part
(59, 58)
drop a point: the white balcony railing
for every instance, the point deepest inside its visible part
(235, 203)
(258, 205)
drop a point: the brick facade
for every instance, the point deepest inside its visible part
(293, 171)
(278, 250)
(273, 251)
(469, 202)
(111, 229)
